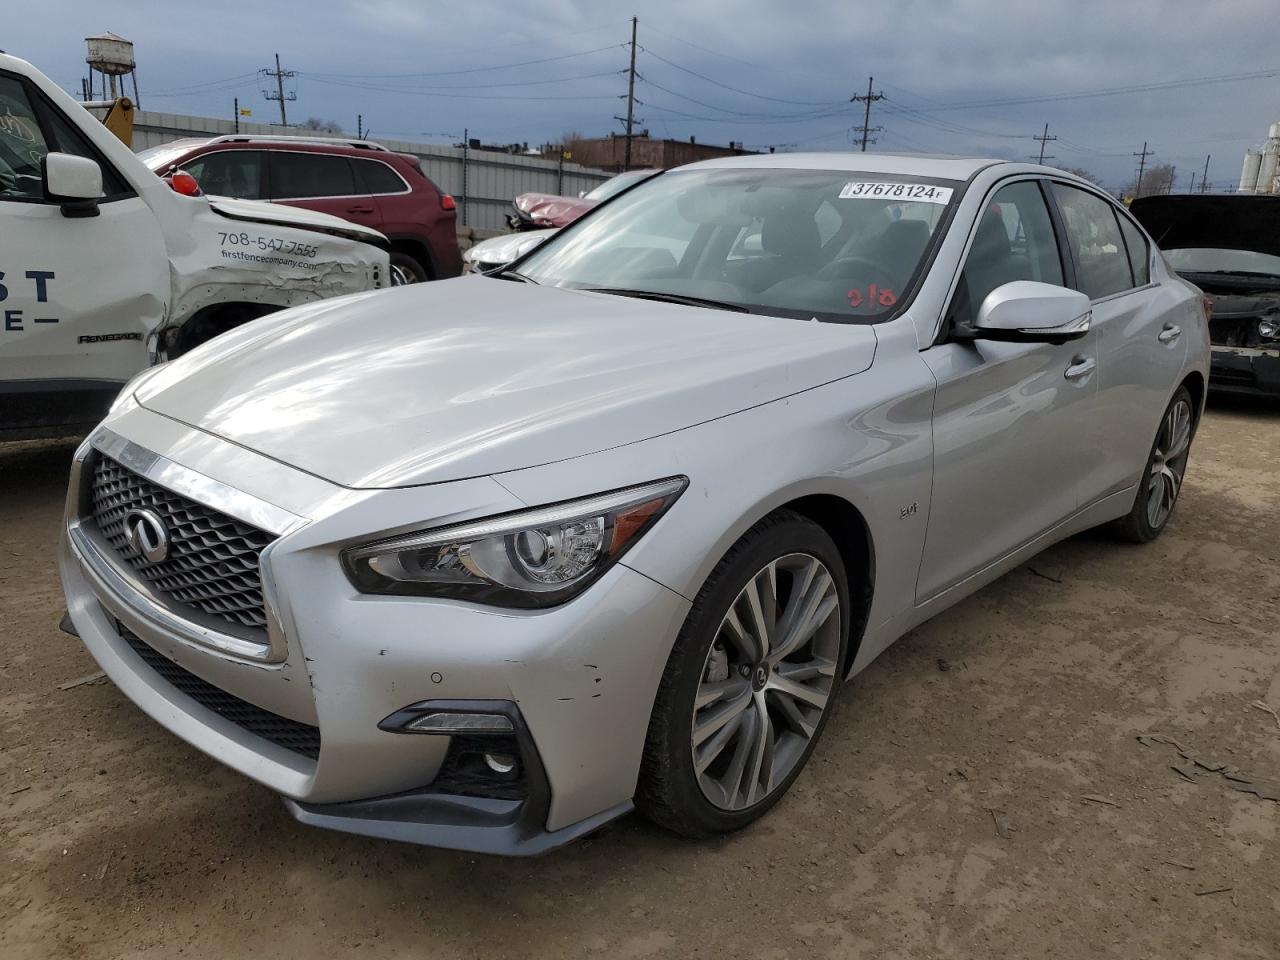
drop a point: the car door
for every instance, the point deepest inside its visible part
(78, 294)
(1010, 419)
(1140, 349)
(323, 182)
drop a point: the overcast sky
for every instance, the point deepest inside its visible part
(419, 70)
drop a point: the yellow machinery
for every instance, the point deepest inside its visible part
(118, 118)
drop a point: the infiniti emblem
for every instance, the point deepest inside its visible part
(145, 532)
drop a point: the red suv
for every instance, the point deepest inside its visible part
(353, 179)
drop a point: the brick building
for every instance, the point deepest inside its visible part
(607, 153)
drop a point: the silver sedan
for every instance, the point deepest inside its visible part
(489, 562)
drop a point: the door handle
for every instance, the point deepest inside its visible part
(1080, 367)
(359, 209)
(1170, 333)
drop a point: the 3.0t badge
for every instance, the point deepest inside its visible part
(146, 534)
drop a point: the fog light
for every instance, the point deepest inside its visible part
(1269, 327)
(503, 764)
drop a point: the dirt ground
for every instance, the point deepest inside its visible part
(1015, 713)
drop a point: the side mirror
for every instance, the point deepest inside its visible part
(75, 182)
(1027, 311)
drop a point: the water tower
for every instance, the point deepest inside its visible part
(112, 57)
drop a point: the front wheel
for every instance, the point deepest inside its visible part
(1162, 479)
(750, 682)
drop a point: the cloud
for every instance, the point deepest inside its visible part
(924, 55)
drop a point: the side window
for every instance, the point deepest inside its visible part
(378, 177)
(1102, 264)
(1014, 241)
(301, 176)
(228, 173)
(1139, 251)
(22, 144)
(70, 140)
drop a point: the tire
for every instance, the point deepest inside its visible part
(1161, 481)
(406, 270)
(755, 733)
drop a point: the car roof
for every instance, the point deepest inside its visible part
(941, 166)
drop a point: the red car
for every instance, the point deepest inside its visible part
(354, 179)
(537, 211)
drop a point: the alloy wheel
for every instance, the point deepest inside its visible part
(766, 681)
(1168, 463)
(401, 276)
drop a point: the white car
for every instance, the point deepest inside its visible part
(105, 269)
(608, 529)
(488, 255)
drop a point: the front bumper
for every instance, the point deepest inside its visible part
(581, 677)
(1251, 370)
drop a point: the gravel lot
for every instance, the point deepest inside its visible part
(1003, 716)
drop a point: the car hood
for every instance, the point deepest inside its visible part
(475, 376)
(260, 211)
(1235, 222)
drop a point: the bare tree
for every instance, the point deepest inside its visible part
(320, 126)
(1157, 178)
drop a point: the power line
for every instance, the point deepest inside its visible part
(739, 90)
(866, 129)
(457, 96)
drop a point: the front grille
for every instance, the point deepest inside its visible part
(301, 738)
(212, 564)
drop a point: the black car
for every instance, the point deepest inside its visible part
(1228, 246)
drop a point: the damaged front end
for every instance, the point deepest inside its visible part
(1244, 330)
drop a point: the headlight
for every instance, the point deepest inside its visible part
(1269, 328)
(534, 558)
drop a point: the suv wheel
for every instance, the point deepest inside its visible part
(406, 270)
(749, 684)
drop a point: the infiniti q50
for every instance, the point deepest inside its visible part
(488, 562)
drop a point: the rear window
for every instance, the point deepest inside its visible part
(378, 177)
(300, 176)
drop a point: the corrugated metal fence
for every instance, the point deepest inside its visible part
(488, 180)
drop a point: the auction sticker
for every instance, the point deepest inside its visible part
(881, 190)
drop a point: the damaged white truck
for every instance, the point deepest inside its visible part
(105, 269)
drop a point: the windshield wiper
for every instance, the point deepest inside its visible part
(679, 298)
(512, 275)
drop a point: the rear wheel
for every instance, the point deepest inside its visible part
(1162, 479)
(406, 270)
(750, 682)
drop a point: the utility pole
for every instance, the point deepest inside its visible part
(359, 126)
(236, 112)
(280, 76)
(631, 97)
(1193, 182)
(1173, 178)
(1142, 166)
(866, 129)
(1204, 180)
(1044, 138)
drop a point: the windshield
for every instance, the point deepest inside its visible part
(835, 245)
(617, 184)
(1216, 260)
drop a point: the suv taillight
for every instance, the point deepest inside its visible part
(446, 202)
